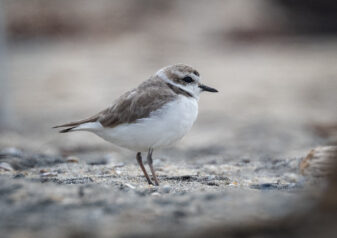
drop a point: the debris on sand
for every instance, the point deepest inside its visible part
(319, 161)
(5, 166)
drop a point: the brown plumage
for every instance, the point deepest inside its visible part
(133, 105)
(181, 68)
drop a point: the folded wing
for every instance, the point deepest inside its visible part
(131, 106)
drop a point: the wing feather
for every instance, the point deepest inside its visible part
(131, 106)
(137, 104)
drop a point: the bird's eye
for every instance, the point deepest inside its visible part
(188, 79)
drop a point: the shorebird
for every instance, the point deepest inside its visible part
(156, 114)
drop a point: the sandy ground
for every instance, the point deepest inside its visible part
(239, 162)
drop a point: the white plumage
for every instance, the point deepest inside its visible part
(164, 127)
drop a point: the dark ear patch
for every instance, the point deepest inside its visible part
(196, 73)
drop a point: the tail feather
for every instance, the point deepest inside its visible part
(74, 124)
(65, 125)
(67, 129)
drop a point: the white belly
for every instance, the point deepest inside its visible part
(164, 127)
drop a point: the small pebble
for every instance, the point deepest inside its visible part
(271, 186)
(19, 176)
(49, 174)
(210, 177)
(72, 159)
(6, 166)
(211, 183)
(166, 189)
(155, 194)
(100, 161)
(129, 186)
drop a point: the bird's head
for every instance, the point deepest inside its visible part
(185, 77)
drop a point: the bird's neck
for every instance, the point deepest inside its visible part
(178, 90)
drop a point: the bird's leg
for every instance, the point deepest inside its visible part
(149, 161)
(140, 162)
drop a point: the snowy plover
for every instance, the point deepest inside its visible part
(155, 115)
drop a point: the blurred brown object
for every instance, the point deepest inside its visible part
(42, 18)
(327, 131)
(319, 162)
(329, 200)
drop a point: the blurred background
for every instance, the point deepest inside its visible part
(274, 63)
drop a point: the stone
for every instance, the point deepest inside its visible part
(166, 188)
(72, 159)
(6, 166)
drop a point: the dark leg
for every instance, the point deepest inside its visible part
(149, 161)
(140, 162)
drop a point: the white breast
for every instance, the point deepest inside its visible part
(164, 126)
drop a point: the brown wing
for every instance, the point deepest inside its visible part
(133, 105)
(137, 104)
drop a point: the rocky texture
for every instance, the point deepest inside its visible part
(53, 195)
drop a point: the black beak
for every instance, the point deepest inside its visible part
(208, 89)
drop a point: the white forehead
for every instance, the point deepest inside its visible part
(180, 71)
(184, 73)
